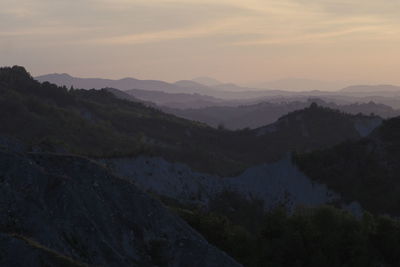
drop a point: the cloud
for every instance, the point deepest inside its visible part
(123, 22)
(234, 31)
(211, 28)
(115, 22)
(312, 38)
(279, 22)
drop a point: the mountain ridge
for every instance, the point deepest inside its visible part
(381, 88)
(110, 127)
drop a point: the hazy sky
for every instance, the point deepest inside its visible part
(232, 40)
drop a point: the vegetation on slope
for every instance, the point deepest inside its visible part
(257, 115)
(366, 170)
(97, 124)
(323, 236)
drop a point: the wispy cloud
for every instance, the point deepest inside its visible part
(122, 22)
(218, 27)
(252, 32)
(311, 38)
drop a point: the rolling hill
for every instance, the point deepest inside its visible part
(175, 100)
(207, 81)
(377, 89)
(121, 84)
(298, 85)
(257, 115)
(97, 124)
(366, 170)
(224, 91)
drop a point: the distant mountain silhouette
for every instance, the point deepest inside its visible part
(257, 115)
(192, 85)
(229, 91)
(378, 94)
(95, 123)
(238, 117)
(236, 88)
(384, 88)
(122, 84)
(125, 96)
(226, 91)
(297, 84)
(175, 100)
(207, 81)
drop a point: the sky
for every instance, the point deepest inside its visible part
(237, 41)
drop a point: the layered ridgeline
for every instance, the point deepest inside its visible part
(94, 123)
(97, 124)
(366, 170)
(256, 115)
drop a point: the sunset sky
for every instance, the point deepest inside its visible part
(232, 40)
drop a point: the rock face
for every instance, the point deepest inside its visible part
(275, 183)
(69, 211)
(365, 127)
(20, 251)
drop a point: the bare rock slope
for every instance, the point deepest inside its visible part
(275, 184)
(69, 211)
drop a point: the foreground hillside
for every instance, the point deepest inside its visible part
(60, 210)
(68, 211)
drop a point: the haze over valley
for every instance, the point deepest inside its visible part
(224, 105)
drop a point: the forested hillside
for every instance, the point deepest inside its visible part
(97, 124)
(366, 170)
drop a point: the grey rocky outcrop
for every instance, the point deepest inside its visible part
(275, 184)
(59, 210)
